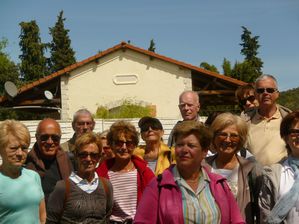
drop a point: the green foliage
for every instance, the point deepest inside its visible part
(62, 55)
(152, 46)
(226, 66)
(207, 66)
(8, 69)
(290, 98)
(33, 61)
(127, 109)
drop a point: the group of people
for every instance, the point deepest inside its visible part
(231, 169)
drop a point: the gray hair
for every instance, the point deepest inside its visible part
(265, 76)
(80, 112)
(191, 92)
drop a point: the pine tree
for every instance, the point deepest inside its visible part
(152, 46)
(249, 49)
(207, 66)
(62, 55)
(33, 61)
(226, 66)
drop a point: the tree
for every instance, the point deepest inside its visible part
(226, 66)
(249, 49)
(207, 66)
(8, 69)
(152, 46)
(62, 55)
(33, 61)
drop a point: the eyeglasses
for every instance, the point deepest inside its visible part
(45, 137)
(224, 135)
(119, 144)
(267, 90)
(294, 132)
(82, 123)
(154, 127)
(93, 156)
(251, 99)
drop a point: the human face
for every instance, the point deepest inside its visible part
(265, 98)
(293, 140)
(15, 153)
(48, 138)
(249, 101)
(227, 140)
(189, 106)
(123, 147)
(88, 157)
(107, 152)
(84, 123)
(152, 135)
(188, 152)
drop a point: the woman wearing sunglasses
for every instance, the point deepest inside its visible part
(246, 98)
(83, 197)
(155, 152)
(243, 176)
(21, 194)
(280, 190)
(128, 174)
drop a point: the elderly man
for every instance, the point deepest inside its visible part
(189, 106)
(46, 157)
(264, 140)
(82, 122)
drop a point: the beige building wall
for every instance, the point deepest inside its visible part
(126, 75)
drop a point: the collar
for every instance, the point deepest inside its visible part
(78, 180)
(178, 177)
(276, 115)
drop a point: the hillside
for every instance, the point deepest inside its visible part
(290, 98)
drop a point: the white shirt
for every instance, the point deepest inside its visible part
(86, 186)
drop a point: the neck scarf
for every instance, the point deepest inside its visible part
(289, 200)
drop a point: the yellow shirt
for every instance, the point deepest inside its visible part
(163, 157)
(264, 140)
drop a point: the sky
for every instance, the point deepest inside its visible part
(190, 31)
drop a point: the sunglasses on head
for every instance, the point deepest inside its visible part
(45, 137)
(93, 155)
(267, 90)
(244, 101)
(119, 144)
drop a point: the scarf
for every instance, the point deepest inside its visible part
(289, 200)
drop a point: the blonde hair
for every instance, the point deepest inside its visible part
(16, 129)
(86, 139)
(224, 120)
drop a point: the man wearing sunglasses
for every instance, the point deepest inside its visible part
(47, 158)
(264, 140)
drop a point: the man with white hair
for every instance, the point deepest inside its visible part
(264, 140)
(189, 106)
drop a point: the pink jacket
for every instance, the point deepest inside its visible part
(170, 202)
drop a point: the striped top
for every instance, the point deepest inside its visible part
(124, 195)
(199, 206)
(83, 184)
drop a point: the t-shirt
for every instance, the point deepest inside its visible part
(20, 198)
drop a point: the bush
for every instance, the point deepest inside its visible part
(127, 109)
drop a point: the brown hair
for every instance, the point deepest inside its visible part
(86, 139)
(286, 125)
(202, 133)
(122, 127)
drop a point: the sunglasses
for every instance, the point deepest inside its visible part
(119, 144)
(223, 135)
(93, 155)
(154, 127)
(267, 90)
(251, 99)
(45, 137)
(294, 132)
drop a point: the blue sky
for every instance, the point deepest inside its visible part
(191, 31)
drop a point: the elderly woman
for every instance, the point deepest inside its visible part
(155, 152)
(84, 197)
(21, 194)
(246, 97)
(229, 136)
(279, 197)
(128, 174)
(187, 192)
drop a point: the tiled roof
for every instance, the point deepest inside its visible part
(123, 45)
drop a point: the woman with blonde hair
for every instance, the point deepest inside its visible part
(21, 194)
(243, 175)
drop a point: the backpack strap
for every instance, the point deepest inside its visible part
(107, 191)
(66, 195)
